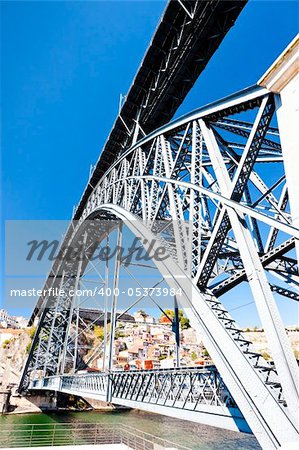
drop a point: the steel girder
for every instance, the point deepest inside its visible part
(187, 37)
(49, 352)
(198, 394)
(206, 189)
(252, 381)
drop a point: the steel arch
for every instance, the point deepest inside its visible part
(200, 182)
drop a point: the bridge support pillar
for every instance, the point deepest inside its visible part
(113, 317)
(176, 330)
(4, 400)
(283, 78)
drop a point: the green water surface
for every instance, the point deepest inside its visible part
(195, 436)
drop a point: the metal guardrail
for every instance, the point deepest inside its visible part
(57, 434)
(182, 388)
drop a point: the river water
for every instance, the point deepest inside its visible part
(190, 434)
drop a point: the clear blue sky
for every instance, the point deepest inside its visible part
(64, 65)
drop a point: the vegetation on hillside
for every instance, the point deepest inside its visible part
(184, 322)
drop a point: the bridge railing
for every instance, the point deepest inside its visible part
(49, 435)
(179, 388)
(185, 388)
(89, 382)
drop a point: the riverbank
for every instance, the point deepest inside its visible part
(11, 402)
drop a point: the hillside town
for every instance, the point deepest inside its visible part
(142, 342)
(10, 327)
(149, 343)
(14, 322)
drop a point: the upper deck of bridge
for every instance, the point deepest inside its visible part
(186, 38)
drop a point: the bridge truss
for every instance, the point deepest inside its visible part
(184, 393)
(211, 189)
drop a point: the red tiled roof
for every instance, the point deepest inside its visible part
(164, 319)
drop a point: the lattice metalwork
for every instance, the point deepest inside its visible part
(223, 223)
(186, 389)
(211, 189)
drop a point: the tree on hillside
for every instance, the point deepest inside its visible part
(99, 332)
(142, 313)
(184, 322)
(193, 356)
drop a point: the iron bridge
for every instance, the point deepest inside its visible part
(182, 393)
(213, 189)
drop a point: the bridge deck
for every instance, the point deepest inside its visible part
(198, 395)
(179, 51)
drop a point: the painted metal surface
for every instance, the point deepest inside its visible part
(212, 189)
(152, 181)
(196, 395)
